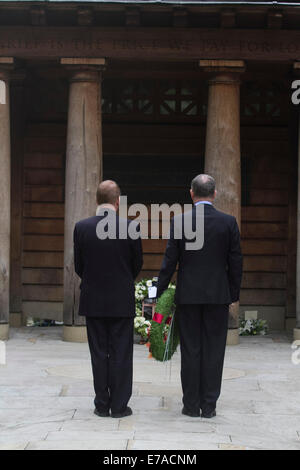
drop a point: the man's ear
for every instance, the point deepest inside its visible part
(117, 204)
(192, 194)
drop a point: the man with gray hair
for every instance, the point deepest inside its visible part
(208, 281)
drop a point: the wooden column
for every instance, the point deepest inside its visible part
(296, 115)
(5, 199)
(222, 149)
(17, 189)
(83, 173)
(297, 329)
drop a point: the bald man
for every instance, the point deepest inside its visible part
(107, 265)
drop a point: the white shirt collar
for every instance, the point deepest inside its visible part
(203, 202)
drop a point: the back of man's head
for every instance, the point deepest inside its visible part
(203, 186)
(108, 192)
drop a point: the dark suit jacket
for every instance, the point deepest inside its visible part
(211, 275)
(107, 269)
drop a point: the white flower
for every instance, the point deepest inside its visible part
(149, 283)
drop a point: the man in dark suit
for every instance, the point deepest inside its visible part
(208, 281)
(107, 264)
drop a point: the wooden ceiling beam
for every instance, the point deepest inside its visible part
(133, 16)
(228, 18)
(38, 15)
(180, 17)
(274, 19)
(85, 16)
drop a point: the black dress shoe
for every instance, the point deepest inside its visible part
(101, 414)
(190, 413)
(123, 414)
(209, 415)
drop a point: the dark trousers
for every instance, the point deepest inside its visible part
(111, 347)
(203, 333)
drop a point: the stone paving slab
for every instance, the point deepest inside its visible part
(175, 445)
(46, 399)
(78, 445)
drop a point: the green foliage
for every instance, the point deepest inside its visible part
(253, 327)
(159, 331)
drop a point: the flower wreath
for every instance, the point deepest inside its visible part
(164, 335)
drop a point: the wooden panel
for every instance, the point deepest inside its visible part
(147, 274)
(43, 259)
(42, 276)
(44, 193)
(40, 210)
(266, 197)
(42, 293)
(293, 213)
(43, 160)
(45, 129)
(264, 280)
(154, 246)
(43, 243)
(264, 247)
(263, 134)
(42, 144)
(270, 157)
(265, 263)
(153, 146)
(268, 181)
(152, 262)
(152, 130)
(263, 297)
(264, 214)
(44, 177)
(44, 226)
(264, 230)
(18, 116)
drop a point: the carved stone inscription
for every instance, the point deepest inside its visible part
(149, 43)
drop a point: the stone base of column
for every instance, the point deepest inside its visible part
(4, 330)
(16, 320)
(233, 337)
(75, 334)
(297, 334)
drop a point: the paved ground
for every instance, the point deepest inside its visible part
(46, 399)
